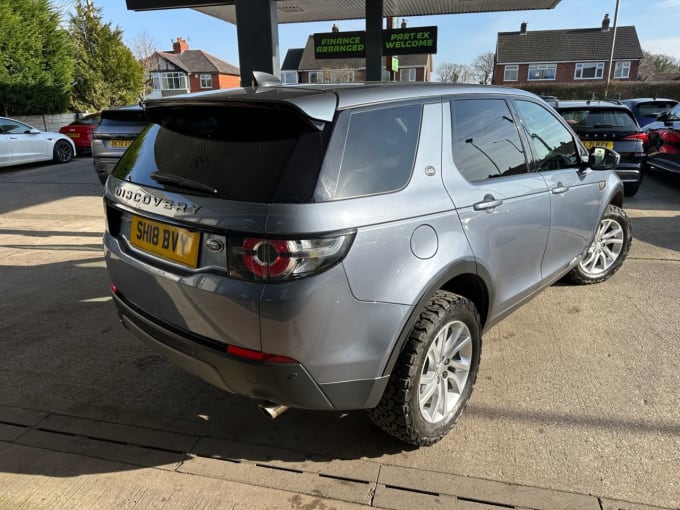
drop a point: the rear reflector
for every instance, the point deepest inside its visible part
(258, 355)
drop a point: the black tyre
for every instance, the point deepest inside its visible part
(63, 152)
(609, 249)
(434, 375)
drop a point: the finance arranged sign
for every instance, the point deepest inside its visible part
(403, 41)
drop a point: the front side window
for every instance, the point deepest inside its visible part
(407, 75)
(553, 144)
(511, 73)
(486, 143)
(542, 71)
(379, 151)
(589, 71)
(622, 70)
(170, 81)
(206, 81)
(11, 127)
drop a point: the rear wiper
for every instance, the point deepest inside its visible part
(182, 182)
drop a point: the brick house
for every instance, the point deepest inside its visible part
(566, 56)
(183, 70)
(302, 65)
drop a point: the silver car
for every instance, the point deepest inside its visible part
(116, 131)
(346, 247)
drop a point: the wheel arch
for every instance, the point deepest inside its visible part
(467, 279)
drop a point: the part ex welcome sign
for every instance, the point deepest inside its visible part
(404, 41)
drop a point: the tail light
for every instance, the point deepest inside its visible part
(637, 136)
(268, 259)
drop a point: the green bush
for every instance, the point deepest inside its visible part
(617, 90)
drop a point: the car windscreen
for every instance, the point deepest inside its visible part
(244, 153)
(599, 118)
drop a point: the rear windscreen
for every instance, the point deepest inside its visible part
(600, 118)
(655, 108)
(246, 154)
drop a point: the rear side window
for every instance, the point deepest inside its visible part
(599, 118)
(379, 151)
(249, 154)
(486, 143)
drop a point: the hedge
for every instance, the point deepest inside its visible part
(617, 90)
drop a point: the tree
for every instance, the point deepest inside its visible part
(482, 67)
(657, 63)
(35, 59)
(106, 72)
(143, 48)
(454, 73)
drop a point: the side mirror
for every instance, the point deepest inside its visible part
(33, 131)
(602, 158)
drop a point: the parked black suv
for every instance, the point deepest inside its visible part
(610, 124)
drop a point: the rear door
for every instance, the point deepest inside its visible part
(575, 196)
(504, 209)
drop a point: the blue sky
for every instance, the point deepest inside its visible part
(461, 37)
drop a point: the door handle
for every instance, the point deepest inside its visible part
(560, 188)
(489, 202)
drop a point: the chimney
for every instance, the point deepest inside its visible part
(523, 28)
(605, 23)
(180, 46)
(335, 28)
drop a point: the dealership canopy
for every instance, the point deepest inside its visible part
(257, 21)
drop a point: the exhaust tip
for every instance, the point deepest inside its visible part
(272, 410)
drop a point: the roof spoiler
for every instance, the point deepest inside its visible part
(261, 79)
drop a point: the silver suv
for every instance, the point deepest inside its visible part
(345, 247)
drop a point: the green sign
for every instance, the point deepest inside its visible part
(410, 41)
(401, 41)
(340, 45)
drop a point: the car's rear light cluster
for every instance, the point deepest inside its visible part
(260, 356)
(669, 136)
(637, 136)
(269, 259)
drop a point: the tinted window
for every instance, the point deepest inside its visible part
(599, 118)
(379, 151)
(486, 143)
(246, 154)
(652, 109)
(553, 144)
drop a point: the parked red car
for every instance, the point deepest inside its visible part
(81, 130)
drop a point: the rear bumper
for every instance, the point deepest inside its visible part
(287, 384)
(629, 172)
(104, 166)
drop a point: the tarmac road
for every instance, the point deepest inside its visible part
(577, 403)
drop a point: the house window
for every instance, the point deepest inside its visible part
(206, 81)
(511, 73)
(407, 74)
(315, 77)
(170, 81)
(342, 76)
(542, 71)
(589, 71)
(622, 70)
(289, 77)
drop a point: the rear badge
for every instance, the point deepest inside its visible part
(214, 245)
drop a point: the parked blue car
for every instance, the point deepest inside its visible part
(647, 109)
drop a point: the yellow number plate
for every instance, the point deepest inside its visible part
(73, 135)
(599, 143)
(170, 242)
(120, 144)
